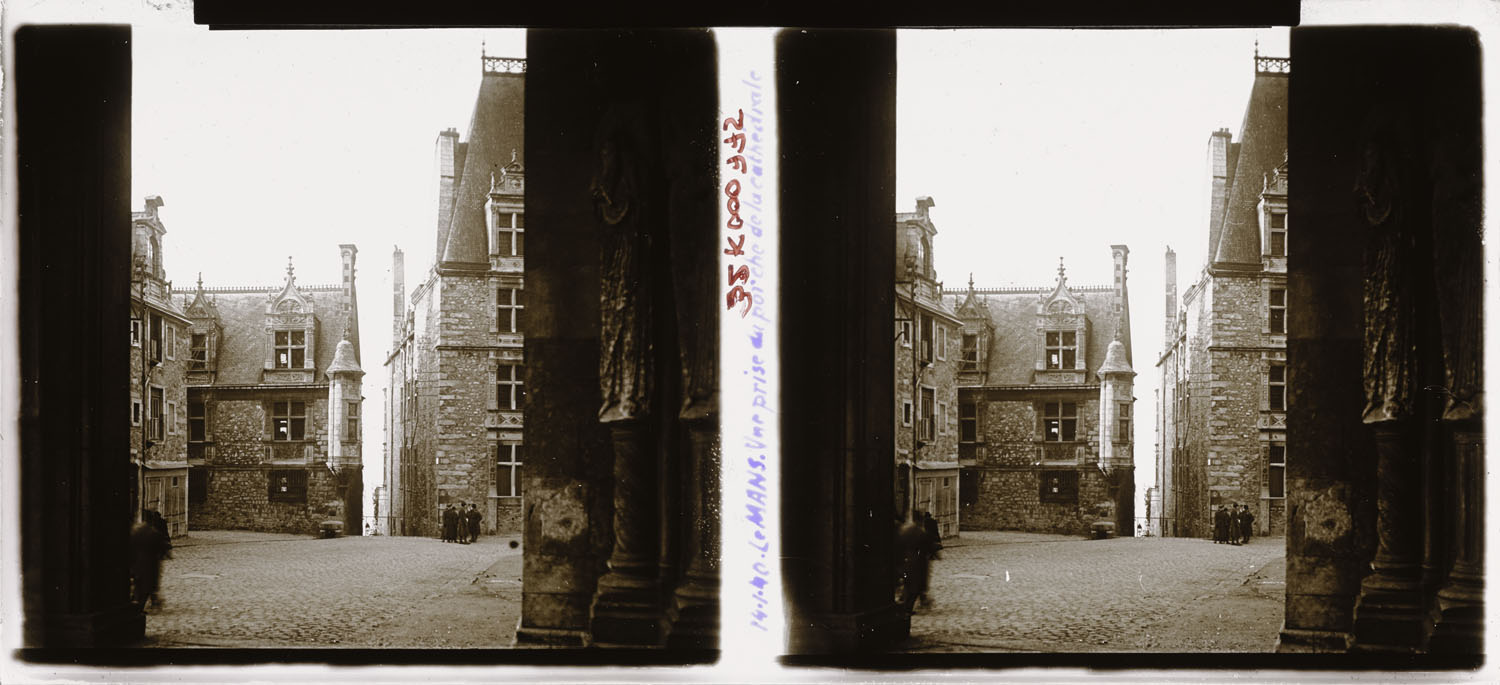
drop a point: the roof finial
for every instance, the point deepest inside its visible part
(289, 268)
(971, 281)
(482, 53)
(1062, 274)
(200, 281)
(512, 155)
(1257, 48)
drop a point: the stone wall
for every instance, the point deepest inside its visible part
(237, 500)
(1010, 499)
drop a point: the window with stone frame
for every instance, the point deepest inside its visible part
(197, 421)
(927, 412)
(970, 352)
(510, 234)
(510, 389)
(198, 352)
(906, 334)
(351, 421)
(1122, 423)
(510, 310)
(1278, 234)
(1276, 470)
(968, 422)
(1060, 421)
(171, 418)
(1277, 311)
(925, 333)
(135, 332)
(287, 485)
(1276, 387)
(156, 338)
(170, 339)
(291, 349)
(156, 409)
(940, 336)
(1058, 487)
(906, 412)
(1062, 349)
(288, 420)
(508, 470)
(135, 412)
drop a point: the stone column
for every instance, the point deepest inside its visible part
(73, 102)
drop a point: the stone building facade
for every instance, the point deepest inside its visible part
(274, 405)
(926, 377)
(158, 365)
(457, 384)
(1046, 405)
(1223, 401)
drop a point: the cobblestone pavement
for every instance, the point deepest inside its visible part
(243, 589)
(1002, 591)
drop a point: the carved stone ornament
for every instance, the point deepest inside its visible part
(626, 272)
(1390, 334)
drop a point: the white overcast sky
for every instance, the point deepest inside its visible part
(1040, 144)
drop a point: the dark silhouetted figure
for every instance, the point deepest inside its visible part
(149, 544)
(474, 517)
(450, 524)
(911, 550)
(1247, 524)
(1221, 525)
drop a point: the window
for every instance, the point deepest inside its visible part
(1276, 470)
(197, 422)
(157, 406)
(1122, 423)
(510, 310)
(1278, 234)
(135, 412)
(1278, 311)
(508, 471)
(928, 408)
(197, 485)
(1276, 387)
(968, 422)
(156, 345)
(926, 333)
(510, 234)
(171, 341)
(351, 418)
(198, 352)
(1060, 487)
(286, 485)
(1060, 421)
(942, 418)
(970, 361)
(942, 341)
(906, 334)
(510, 391)
(175, 482)
(906, 413)
(1062, 349)
(291, 349)
(171, 418)
(288, 420)
(135, 332)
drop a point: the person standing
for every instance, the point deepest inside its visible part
(148, 546)
(1247, 524)
(911, 545)
(450, 524)
(474, 518)
(1221, 525)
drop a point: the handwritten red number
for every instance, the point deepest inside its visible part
(736, 139)
(740, 274)
(738, 120)
(738, 162)
(738, 295)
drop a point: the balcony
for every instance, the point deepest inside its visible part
(1071, 452)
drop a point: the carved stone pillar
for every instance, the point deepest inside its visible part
(694, 613)
(1460, 603)
(1390, 613)
(626, 608)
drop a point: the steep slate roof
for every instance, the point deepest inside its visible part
(1016, 346)
(495, 130)
(1261, 148)
(242, 312)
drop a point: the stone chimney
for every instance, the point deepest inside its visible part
(924, 203)
(347, 252)
(1218, 197)
(1169, 314)
(447, 144)
(153, 203)
(398, 297)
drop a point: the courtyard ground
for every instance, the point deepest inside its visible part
(1005, 591)
(244, 589)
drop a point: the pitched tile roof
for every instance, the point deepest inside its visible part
(495, 132)
(1016, 345)
(1261, 148)
(241, 355)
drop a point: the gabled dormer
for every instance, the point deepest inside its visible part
(291, 331)
(506, 216)
(1062, 329)
(204, 334)
(975, 336)
(1273, 210)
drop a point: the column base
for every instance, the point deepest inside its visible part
(626, 612)
(693, 618)
(1390, 616)
(1460, 618)
(1320, 641)
(538, 638)
(118, 626)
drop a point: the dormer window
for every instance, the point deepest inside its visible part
(1062, 349)
(970, 360)
(198, 352)
(509, 234)
(1277, 241)
(291, 349)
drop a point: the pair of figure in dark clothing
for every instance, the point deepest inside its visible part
(460, 524)
(1233, 524)
(150, 543)
(919, 543)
